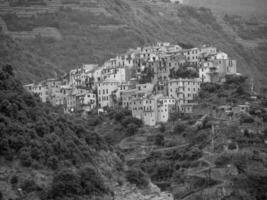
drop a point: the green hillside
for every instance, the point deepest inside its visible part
(90, 37)
(41, 150)
(238, 7)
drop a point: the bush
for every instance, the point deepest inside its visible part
(246, 119)
(210, 87)
(120, 115)
(65, 182)
(52, 162)
(222, 160)
(14, 180)
(179, 128)
(232, 146)
(131, 129)
(129, 119)
(91, 182)
(25, 159)
(159, 140)
(137, 177)
(162, 128)
(29, 185)
(235, 79)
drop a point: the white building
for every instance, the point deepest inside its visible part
(152, 109)
(39, 89)
(116, 73)
(106, 91)
(97, 74)
(192, 55)
(86, 101)
(214, 67)
(165, 105)
(81, 76)
(184, 90)
(144, 108)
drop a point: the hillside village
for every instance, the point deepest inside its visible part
(152, 82)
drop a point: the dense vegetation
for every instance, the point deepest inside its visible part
(41, 137)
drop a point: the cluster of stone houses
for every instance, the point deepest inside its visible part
(140, 80)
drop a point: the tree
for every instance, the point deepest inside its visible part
(92, 183)
(162, 128)
(132, 129)
(137, 177)
(159, 140)
(246, 119)
(65, 182)
(179, 128)
(29, 185)
(8, 69)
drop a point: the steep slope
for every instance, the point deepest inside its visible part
(45, 154)
(92, 37)
(245, 8)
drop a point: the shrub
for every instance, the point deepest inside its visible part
(246, 119)
(210, 87)
(14, 180)
(127, 120)
(162, 128)
(65, 183)
(194, 154)
(159, 140)
(52, 162)
(29, 185)
(179, 128)
(131, 129)
(137, 177)
(235, 79)
(25, 159)
(232, 146)
(265, 133)
(222, 160)
(91, 182)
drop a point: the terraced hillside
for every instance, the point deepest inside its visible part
(238, 7)
(95, 31)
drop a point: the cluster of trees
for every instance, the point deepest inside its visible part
(41, 136)
(85, 181)
(163, 165)
(147, 75)
(138, 177)
(124, 118)
(184, 72)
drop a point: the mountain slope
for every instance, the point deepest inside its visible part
(41, 150)
(92, 37)
(239, 7)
